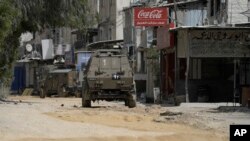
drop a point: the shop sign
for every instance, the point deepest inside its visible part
(150, 16)
(220, 43)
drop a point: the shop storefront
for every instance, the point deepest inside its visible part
(208, 64)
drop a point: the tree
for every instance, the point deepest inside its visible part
(19, 16)
(8, 16)
(39, 14)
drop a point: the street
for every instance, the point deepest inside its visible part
(146, 70)
(34, 119)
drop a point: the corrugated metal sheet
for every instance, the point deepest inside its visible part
(193, 17)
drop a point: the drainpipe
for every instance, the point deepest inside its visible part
(187, 70)
(175, 13)
(176, 58)
(235, 82)
(161, 76)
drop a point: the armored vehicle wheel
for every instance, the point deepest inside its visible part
(131, 103)
(42, 93)
(85, 102)
(126, 102)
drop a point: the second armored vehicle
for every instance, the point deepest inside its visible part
(60, 82)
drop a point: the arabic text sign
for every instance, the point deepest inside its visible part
(220, 43)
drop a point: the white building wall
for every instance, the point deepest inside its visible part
(235, 8)
(120, 18)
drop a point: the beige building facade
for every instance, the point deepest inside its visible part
(111, 19)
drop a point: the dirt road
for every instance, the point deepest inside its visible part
(54, 119)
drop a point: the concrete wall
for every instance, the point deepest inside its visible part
(128, 27)
(120, 19)
(62, 35)
(217, 12)
(111, 19)
(93, 12)
(106, 19)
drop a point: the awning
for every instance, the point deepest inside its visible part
(103, 44)
(206, 27)
(166, 4)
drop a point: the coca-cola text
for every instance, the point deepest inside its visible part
(150, 16)
(155, 14)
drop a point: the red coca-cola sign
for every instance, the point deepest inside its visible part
(150, 16)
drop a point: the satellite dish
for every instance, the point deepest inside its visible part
(29, 47)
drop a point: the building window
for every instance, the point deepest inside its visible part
(212, 8)
(218, 6)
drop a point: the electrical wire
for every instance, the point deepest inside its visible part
(239, 5)
(236, 13)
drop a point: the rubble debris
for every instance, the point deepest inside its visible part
(226, 109)
(168, 113)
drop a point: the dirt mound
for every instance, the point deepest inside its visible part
(168, 113)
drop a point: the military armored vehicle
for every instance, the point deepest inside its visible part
(60, 82)
(108, 76)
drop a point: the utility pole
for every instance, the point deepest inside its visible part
(175, 13)
(176, 61)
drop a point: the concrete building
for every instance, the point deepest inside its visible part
(215, 75)
(31, 62)
(106, 18)
(111, 19)
(181, 13)
(94, 6)
(140, 41)
(212, 63)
